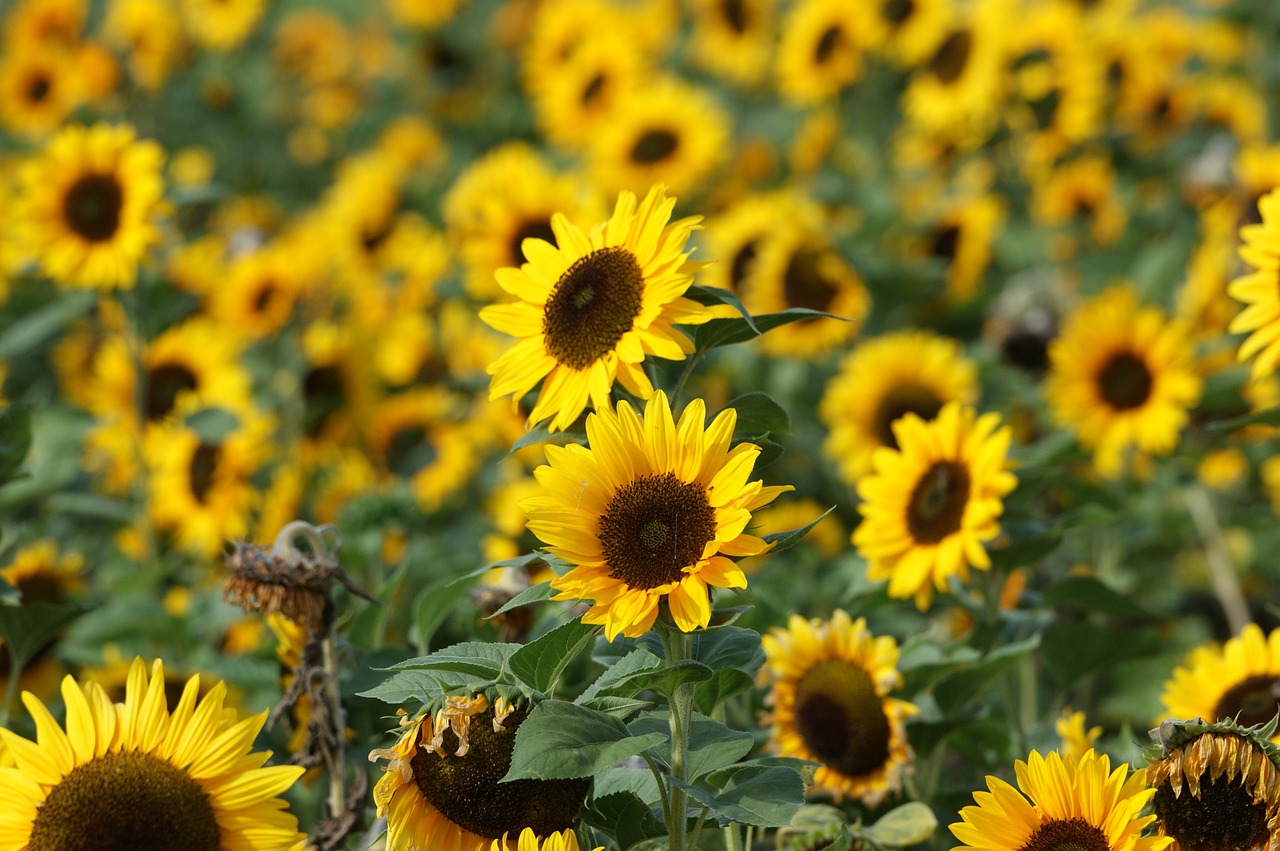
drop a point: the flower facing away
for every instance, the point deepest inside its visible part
(1080, 804)
(828, 688)
(1261, 316)
(440, 788)
(593, 306)
(145, 779)
(652, 511)
(929, 505)
(559, 841)
(1238, 681)
(1216, 786)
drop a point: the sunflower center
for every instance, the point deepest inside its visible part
(900, 401)
(945, 243)
(896, 12)
(409, 451)
(735, 14)
(840, 718)
(38, 88)
(1223, 818)
(949, 62)
(92, 207)
(831, 38)
(592, 89)
(266, 294)
(804, 283)
(938, 501)
(41, 588)
(126, 801)
(323, 395)
(372, 238)
(1125, 382)
(164, 383)
(594, 303)
(204, 461)
(1072, 834)
(741, 263)
(532, 229)
(654, 146)
(1253, 699)
(653, 528)
(466, 791)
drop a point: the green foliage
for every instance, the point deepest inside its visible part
(561, 740)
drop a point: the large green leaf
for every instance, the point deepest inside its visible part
(731, 647)
(541, 662)
(712, 745)
(1091, 595)
(39, 325)
(783, 541)
(560, 740)
(759, 414)
(30, 626)
(764, 796)
(533, 594)
(624, 817)
(616, 678)
(726, 331)
(15, 439)
(432, 607)
(909, 824)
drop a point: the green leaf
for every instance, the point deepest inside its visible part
(560, 740)
(711, 296)
(723, 686)
(1271, 416)
(1026, 551)
(800, 766)
(15, 439)
(615, 705)
(759, 414)
(616, 677)
(28, 627)
(1076, 649)
(533, 594)
(541, 433)
(783, 541)
(667, 678)
(909, 824)
(433, 605)
(956, 689)
(38, 326)
(726, 331)
(756, 795)
(638, 781)
(541, 662)
(712, 745)
(212, 424)
(624, 817)
(468, 666)
(731, 647)
(1091, 595)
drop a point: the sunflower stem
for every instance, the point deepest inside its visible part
(677, 647)
(10, 686)
(337, 772)
(1226, 586)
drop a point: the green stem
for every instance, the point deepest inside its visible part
(10, 687)
(662, 787)
(678, 647)
(684, 377)
(732, 839)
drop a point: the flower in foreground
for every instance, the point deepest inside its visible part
(560, 841)
(440, 788)
(828, 688)
(652, 511)
(930, 504)
(593, 306)
(1081, 804)
(1257, 289)
(136, 776)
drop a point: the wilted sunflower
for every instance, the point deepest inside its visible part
(828, 691)
(880, 381)
(1216, 786)
(1239, 680)
(931, 503)
(652, 511)
(440, 788)
(559, 841)
(89, 203)
(1080, 804)
(1258, 290)
(1121, 376)
(143, 777)
(593, 306)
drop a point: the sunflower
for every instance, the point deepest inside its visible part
(828, 691)
(1073, 803)
(667, 131)
(733, 38)
(150, 32)
(929, 505)
(146, 777)
(338, 390)
(820, 49)
(962, 239)
(559, 841)
(90, 200)
(880, 381)
(652, 511)
(42, 575)
(440, 788)
(575, 103)
(1080, 193)
(908, 31)
(1216, 785)
(1239, 680)
(593, 306)
(1076, 740)
(1121, 376)
(1257, 289)
(262, 288)
(38, 90)
(46, 23)
(419, 436)
(220, 25)
(734, 237)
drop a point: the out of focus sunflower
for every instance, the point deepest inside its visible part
(150, 33)
(1239, 680)
(829, 684)
(313, 45)
(42, 574)
(594, 306)
(38, 90)
(651, 513)
(962, 238)
(422, 14)
(89, 204)
(45, 23)
(880, 381)
(667, 131)
(908, 31)
(734, 236)
(419, 436)
(1080, 193)
(221, 25)
(262, 289)
(1121, 375)
(1076, 740)
(151, 778)
(821, 49)
(577, 100)
(1261, 316)
(338, 390)
(734, 38)
(930, 505)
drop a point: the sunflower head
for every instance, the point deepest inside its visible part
(1239, 680)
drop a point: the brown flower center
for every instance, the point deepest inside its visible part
(164, 383)
(38, 88)
(741, 264)
(831, 38)
(841, 719)
(466, 791)
(654, 146)
(897, 12)
(1253, 700)
(952, 56)
(531, 229)
(654, 527)
(805, 284)
(594, 303)
(92, 207)
(1072, 834)
(946, 242)
(735, 14)
(1224, 817)
(1125, 381)
(900, 401)
(126, 801)
(204, 462)
(937, 504)
(323, 395)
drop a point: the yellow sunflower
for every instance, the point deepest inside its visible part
(419, 436)
(820, 49)
(880, 381)
(734, 237)
(90, 199)
(1076, 740)
(559, 841)
(593, 306)
(262, 287)
(1121, 376)
(440, 788)
(150, 33)
(1239, 680)
(1080, 193)
(733, 38)
(962, 239)
(147, 777)
(38, 90)
(1073, 803)
(829, 683)
(1257, 289)
(220, 25)
(576, 102)
(652, 511)
(929, 505)
(907, 31)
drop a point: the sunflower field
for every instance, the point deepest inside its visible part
(642, 425)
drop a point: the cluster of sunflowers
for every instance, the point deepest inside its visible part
(644, 358)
